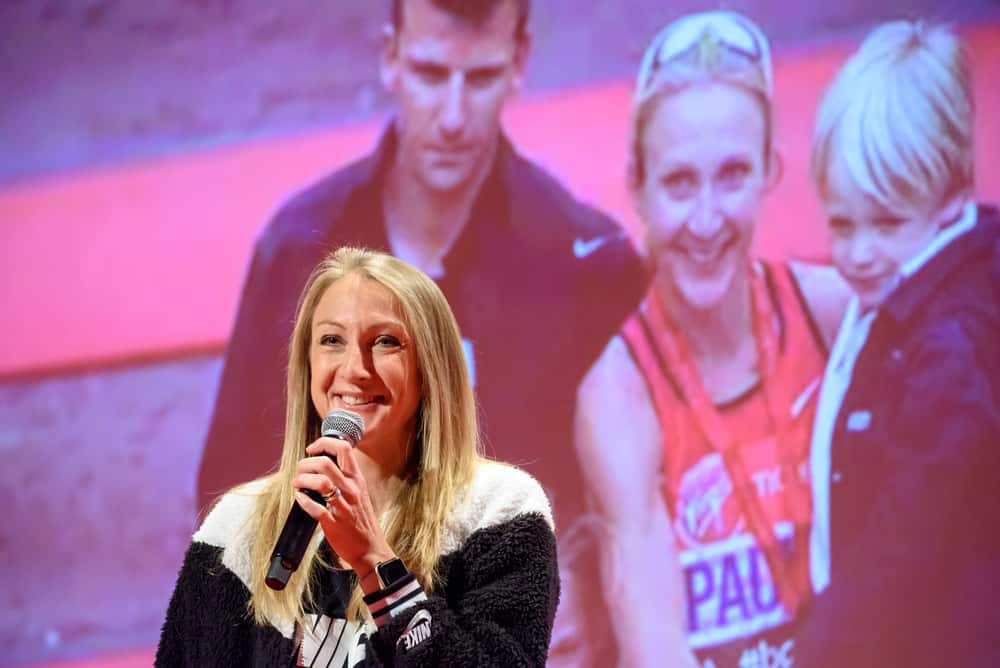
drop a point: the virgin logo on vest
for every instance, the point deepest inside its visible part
(706, 510)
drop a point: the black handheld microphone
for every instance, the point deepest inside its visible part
(294, 539)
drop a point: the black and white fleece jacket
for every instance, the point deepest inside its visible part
(493, 603)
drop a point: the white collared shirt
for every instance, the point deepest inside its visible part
(836, 379)
(965, 223)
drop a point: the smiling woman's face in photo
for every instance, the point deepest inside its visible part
(704, 176)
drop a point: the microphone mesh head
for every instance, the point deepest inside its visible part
(345, 425)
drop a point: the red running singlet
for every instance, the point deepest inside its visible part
(735, 476)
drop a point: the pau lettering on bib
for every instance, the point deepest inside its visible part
(730, 590)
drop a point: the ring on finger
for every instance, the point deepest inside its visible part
(332, 495)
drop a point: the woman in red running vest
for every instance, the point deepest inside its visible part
(693, 426)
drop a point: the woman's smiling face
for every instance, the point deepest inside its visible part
(362, 358)
(704, 176)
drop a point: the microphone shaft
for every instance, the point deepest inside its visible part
(299, 527)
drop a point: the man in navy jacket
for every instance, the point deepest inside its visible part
(537, 280)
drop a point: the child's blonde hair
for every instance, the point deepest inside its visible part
(899, 114)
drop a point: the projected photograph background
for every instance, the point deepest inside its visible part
(143, 149)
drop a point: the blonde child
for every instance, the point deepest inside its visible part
(903, 553)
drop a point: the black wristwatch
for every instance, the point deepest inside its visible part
(391, 571)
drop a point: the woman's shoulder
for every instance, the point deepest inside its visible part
(615, 391)
(229, 529)
(500, 494)
(228, 518)
(825, 294)
(613, 378)
(613, 360)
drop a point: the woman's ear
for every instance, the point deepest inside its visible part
(775, 169)
(389, 58)
(633, 184)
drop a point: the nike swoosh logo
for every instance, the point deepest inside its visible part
(803, 398)
(584, 247)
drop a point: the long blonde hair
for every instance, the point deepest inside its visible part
(445, 447)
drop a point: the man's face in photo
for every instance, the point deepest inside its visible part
(450, 78)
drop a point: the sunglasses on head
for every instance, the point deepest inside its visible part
(711, 37)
